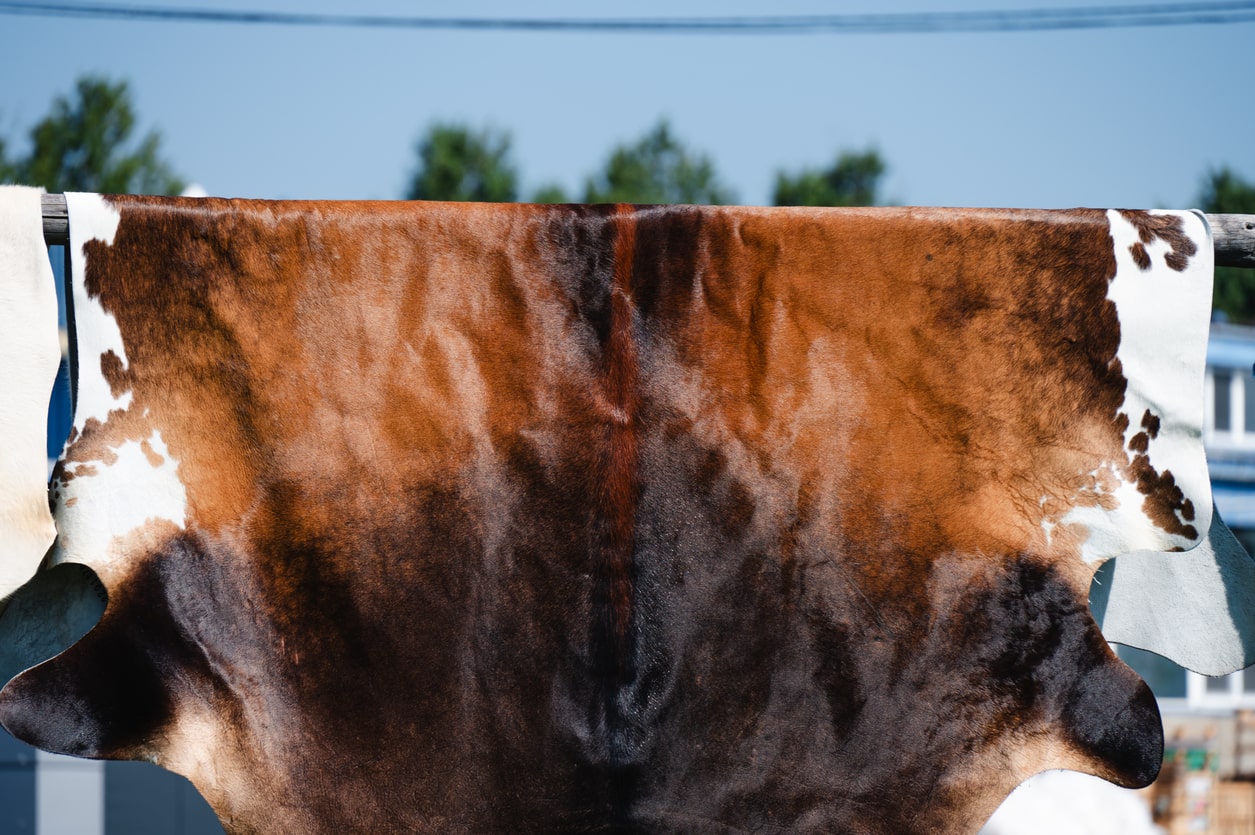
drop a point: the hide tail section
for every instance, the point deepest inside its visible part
(102, 698)
(1104, 722)
(1113, 725)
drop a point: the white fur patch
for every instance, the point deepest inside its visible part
(104, 503)
(30, 352)
(96, 330)
(1164, 320)
(101, 503)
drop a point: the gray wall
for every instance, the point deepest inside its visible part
(142, 799)
(45, 794)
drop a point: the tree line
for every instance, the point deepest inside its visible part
(458, 162)
(88, 141)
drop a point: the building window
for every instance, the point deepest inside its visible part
(1223, 402)
(1168, 681)
(1236, 690)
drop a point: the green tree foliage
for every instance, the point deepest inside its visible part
(1233, 293)
(84, 144)
(853, 180)
(657, 169)
(8, 171)
(550, 193)
(457, 163)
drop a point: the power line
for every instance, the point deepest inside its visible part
(1017, 20)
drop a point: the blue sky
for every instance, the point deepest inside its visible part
(1114, 117)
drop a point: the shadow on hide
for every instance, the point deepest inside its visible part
(1196, 608)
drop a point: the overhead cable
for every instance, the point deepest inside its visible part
(1011, 20)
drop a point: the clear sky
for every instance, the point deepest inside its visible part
(1111, 117)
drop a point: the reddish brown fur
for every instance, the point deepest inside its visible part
(620, 478)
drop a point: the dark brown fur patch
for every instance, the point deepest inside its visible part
(1140, 256)
(1165, 504)
(114, 373)
(1167, 228)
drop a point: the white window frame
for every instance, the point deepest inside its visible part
(1234, 696)
(1236, 437)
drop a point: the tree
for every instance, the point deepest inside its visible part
(550, 193)
(456, 163)
(83, 144)
(657, 169)
(1233, 292)
(8, 171)
(853, 180)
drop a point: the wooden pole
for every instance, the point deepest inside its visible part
(56, 219)
(1234, 240)
(1233, 235)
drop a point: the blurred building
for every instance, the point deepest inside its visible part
(46, 794)
(1208, 781)
(1186, 698)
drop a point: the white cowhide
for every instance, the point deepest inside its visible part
(31, 352)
